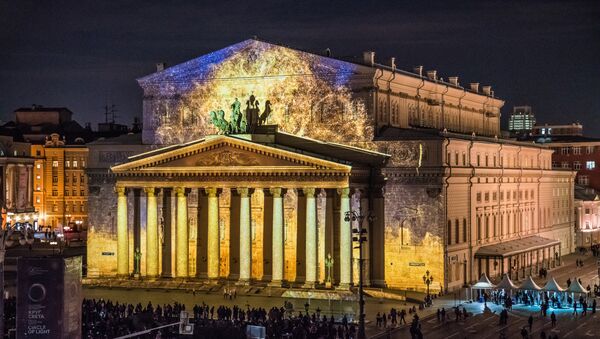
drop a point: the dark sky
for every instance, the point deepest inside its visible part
(84, 54)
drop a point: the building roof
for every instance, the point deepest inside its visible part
(585, 193)
(516, 246)
(552, 286)
(506, 283)
(39, 108)
(576, 287)
(125, 139)
(548, 139)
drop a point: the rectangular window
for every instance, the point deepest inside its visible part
(577, 150)
(583, 180)
(74, 193)
(83, 163)
(37, 199)
(479, 197)
(576, 165)
(565, 164)
(66, 193)
(55, 208)
(38, 166)
(55, 179)
(589, 149)
(587, 211)
(449, 235)
(82, 193)
(590, 165)
(67, 164)
(464, 159)
(478, 228)
(74, 163)
(464, 230)
(487, 196)
(82, 207)
(494, 196)
(74, 179)
(55, 163)
(54, 193)
(456, 232)
(478, 160)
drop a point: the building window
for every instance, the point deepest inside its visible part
(74, 193)
(576, 165)
(82, 207)
(67, 208)
(565, 164)
(37, 200)
(74, 179)
(55, 163)
(74, 163)
(464, 230)
(576, 150)
(54, 193)
(587, 211)
(81, 178)
(55, 179)
(478, 228)
(464, 159)
(449, 235)
(478, 196)
(589, 149)
(38, 177)
(456, 232)
(487, 196)
(67, 193)
(55, 208)
(38, 166)
(83, 161)
(494, 196)
(583, 180)
(38, 188)
(82, 193)
(478, 160)
(590, 165)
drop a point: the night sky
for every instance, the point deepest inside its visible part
(85, 54)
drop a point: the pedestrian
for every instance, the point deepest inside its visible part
(403, 314)
(384, 320)
(594, 306)
(553, 318)
(439, 315)
(524, 333)
(584, 308)
(530, 322)
(443, 315)
(378, 319)
(575, 307)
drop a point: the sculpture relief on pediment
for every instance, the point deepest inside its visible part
(228, 158)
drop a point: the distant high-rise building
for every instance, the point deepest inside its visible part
(521, 121)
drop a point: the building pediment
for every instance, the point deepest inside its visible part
(227, 155)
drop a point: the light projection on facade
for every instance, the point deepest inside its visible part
(309, 95)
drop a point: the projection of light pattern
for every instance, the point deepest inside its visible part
(309, 94)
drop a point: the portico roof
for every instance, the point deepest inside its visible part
(512, 247)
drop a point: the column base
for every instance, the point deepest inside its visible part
(343, 287)
(328, 284)
(243, 282)
(309, 284)
(275, 283)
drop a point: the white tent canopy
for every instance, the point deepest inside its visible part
(506, 283)
(529, 285)
(484, 283)
(552, 286)
(576, 287)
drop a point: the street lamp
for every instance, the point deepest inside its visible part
(359, 235)
(427, 279)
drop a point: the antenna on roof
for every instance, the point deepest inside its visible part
(110, 115)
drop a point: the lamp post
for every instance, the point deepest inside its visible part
(427, 279)
(359, 235)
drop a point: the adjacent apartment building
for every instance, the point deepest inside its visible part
(60, 182)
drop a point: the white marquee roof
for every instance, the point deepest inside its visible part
(553, 286)
(484, 283)
(529, 285)
(576, 287)
(506, 283)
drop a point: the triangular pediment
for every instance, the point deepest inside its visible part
(224, 154)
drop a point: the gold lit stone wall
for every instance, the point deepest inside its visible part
(290, 205)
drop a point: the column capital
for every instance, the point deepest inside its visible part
(212, 192)
(150, 191)
(344, 192)
(244, 192)
(277, 192)
(309, 192)
(180, 191)
(120, 190)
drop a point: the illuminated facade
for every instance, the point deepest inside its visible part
(60, 183)
(17, 173)
(437, 179)
(587, 216)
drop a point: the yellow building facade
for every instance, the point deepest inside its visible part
(60, 183)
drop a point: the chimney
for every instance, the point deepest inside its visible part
(369, 58)
(419, 70)
(453, 80)
(432, 75)
(160, 66)
(393, 63)
(487, 90)
(474, 87)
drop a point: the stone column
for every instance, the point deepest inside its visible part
(311, 238)
(182, 248)
(122, 236)
(345, 239)
(151, 233)
(245, 236)
(212, 246)
(277, 255)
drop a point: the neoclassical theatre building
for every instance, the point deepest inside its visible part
(251, 157)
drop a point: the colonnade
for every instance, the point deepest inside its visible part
(521, 265)
(213, 243)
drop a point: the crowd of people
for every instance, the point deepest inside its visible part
(105, 319)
